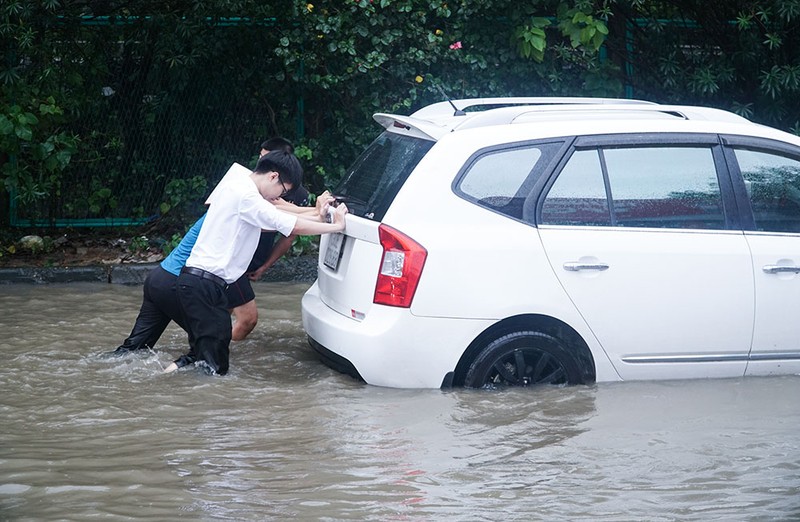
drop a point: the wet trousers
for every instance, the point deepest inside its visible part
(204, 309)
(159, 307)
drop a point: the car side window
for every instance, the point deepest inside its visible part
(649, 187)
(500, 180)
(578, 196)
(773, 186)
(665, 187)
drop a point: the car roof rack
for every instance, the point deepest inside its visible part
(438, 119)
(528, 114)
(451, 108)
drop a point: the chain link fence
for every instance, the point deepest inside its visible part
(154, 136)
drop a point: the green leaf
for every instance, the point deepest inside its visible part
(50, 163)
(6, 127)
(24, 133)
(27, 118)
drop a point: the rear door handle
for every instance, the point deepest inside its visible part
(779, 269)
(576, 266)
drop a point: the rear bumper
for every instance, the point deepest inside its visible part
(334, 361)
(390, 346)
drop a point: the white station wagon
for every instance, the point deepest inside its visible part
(561, 241)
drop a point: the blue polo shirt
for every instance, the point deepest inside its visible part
(177, 258)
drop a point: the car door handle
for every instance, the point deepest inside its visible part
(575, 266)
(779, 269)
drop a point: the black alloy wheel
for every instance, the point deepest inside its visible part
(526, 358)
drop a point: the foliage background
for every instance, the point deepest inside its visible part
(128, 111)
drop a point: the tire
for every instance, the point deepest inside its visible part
(527, 358)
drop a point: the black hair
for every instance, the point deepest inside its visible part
(284, 163)
(278, 143)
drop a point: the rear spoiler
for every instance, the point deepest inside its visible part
(411, 126)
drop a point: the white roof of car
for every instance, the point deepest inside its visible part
(438, 119)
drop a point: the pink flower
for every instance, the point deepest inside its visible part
(455, 45)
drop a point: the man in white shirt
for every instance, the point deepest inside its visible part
(240, 207)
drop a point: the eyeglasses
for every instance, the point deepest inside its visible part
(285, 191)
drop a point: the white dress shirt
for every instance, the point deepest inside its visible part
(229, 235)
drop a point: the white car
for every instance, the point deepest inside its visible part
(563, 241)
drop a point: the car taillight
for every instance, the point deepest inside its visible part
(401, 268)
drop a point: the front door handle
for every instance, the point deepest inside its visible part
(779, 269)
(576, 266)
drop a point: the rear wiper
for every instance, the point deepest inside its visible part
(350, 200)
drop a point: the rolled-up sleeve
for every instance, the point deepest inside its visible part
(257, 211)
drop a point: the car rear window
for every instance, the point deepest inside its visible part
(501, 179)
(371, 184)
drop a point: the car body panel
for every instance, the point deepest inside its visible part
(350, 288)
(380, 345)
(776, 339)
(672, 303)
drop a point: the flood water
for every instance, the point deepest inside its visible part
(282, 436)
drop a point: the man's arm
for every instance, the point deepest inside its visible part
(282, 246)
(310, 227)
(317, 213)
(318, 210)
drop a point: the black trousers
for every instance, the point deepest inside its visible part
(204, 310)
(159, 307)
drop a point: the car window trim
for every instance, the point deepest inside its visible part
(732, 142)
(730, 208)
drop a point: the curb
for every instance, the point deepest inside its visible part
(294, 269)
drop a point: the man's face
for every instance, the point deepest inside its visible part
(273, 188)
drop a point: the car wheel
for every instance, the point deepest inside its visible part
(523, 359)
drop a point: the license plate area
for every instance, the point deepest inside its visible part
(333, 254)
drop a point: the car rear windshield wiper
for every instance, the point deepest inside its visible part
(350, 200)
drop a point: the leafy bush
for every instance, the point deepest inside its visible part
(134, 109)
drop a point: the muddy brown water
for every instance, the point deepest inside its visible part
(282, 436)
